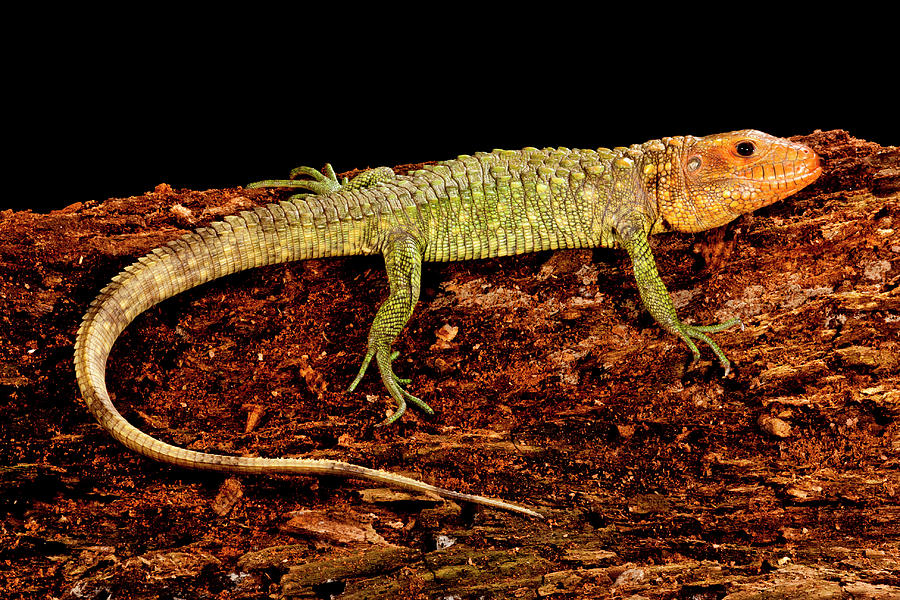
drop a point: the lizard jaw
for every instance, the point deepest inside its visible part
(785, 176)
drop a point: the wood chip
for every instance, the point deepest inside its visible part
(255, 414)
(229, 495)
(774, 426)
(161, 565)
(184, 214)
(447, 332)
(342, 528)
(390, 495)
(300, 578)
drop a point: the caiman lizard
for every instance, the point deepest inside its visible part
(489, 204)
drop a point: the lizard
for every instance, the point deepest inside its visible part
(489, 204)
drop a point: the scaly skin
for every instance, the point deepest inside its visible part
(486, 205)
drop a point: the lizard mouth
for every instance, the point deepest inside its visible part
(784, 175)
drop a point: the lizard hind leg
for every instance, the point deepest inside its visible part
(403, 261)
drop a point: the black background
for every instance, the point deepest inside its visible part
(112, 110)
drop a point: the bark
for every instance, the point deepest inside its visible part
(554, 390)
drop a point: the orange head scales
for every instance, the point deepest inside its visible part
(706, 182)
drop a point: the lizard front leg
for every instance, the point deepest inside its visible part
(656, 298)
(403, 261)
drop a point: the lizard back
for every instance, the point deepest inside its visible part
(507, 202)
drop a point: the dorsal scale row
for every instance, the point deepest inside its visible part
(507, 202)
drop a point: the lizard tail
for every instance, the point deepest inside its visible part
(266, 235)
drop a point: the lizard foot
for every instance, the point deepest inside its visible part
(318, 182)
(392, 383)
(689, 333)
(326, 181)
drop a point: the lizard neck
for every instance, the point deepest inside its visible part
(624, 191)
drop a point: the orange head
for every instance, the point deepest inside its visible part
(706, 182)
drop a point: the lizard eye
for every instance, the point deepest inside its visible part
(745, 148)
(694, 163)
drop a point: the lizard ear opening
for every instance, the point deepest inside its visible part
(694, 163)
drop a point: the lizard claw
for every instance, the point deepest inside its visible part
(399, 380)
(689, 333)
(321, 182)
(392, 383)
(326, 175)
(401, 406)
(718, 326)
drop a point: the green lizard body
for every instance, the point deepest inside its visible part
(486, 205)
